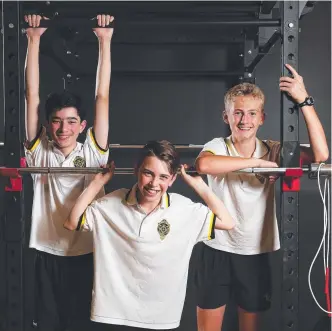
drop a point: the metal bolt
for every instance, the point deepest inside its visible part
(241, 55)
(249, 74)
(249, 52)
(68, 52)
(291, 25)
(68, 75)
(11, 25)
(56, 13)
(23, 31)
(291, 153)
(48, 3)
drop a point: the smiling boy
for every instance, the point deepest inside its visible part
(63, 260)
(143, 238)
(237, 261)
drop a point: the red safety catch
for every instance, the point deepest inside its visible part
(291, 180)
(16, 183)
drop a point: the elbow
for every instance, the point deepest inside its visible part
(322, 156)
(230, 225)
(201, 166)
(68, 225)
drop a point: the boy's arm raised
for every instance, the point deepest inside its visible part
(32, 76)
(103, 78)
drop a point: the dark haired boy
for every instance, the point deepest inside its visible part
(143, 238)
(63, 260)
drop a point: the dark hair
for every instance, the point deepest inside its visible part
(58, 101)
(164, 151)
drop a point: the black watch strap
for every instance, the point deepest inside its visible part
(308, 101)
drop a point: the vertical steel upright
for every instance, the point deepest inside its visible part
(289, 11)
(14, 212)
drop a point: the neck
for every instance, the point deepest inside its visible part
(245, 148)
(66, 150)
(147, 206)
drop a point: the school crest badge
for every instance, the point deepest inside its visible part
(79, 162)
(163, 229)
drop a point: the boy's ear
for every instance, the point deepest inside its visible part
(225, 116)
(263, 117)
(83, 126)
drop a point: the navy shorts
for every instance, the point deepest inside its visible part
(219, 274)
(63, 292)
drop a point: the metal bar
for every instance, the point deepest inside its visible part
(324, 169)
(13, 231)
(134, 146)
(84, 23)
(290, 157)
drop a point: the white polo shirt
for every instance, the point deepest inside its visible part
(141, 261)
(250, 199)
(55, 194)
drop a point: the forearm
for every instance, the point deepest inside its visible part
(32, 68)
(104, 69)
(81, 205)
(101, 122)
(224, 220)
(217, 164)
(316, 134)
(32, 87)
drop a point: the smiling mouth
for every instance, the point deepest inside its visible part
(244, 129)
(151, 191)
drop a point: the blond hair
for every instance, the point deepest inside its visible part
(243, 89)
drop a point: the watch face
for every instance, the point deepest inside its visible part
(310, 101)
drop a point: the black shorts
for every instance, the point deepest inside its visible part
(219, 274)
(63, 292)
(112, 327)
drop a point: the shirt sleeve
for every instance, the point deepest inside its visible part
(216, 146)
(35, 149)
(87, 219)
(202, 221)
(98, 156)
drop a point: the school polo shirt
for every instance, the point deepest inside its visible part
(249, 198)
(141, 261)
(55, 194)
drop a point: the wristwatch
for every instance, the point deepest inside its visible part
(308, 101)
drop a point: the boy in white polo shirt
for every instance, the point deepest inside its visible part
(238, 260)
(143, 239)
(63, 260)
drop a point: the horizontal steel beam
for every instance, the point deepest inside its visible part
(136, 146)
(325, 169)
(84, 23)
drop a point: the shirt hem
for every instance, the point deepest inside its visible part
(118, 321)
(241, 250)
(59, 253)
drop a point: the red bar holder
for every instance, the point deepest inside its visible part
(291, 180)
(16, 183)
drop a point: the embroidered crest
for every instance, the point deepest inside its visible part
(79, 162)
(163, 229)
